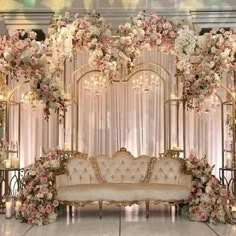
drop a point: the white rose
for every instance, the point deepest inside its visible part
(7, 55)
(127, 26)
(139, 22)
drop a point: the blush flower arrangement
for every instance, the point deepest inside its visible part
(23, 58)
(145, 32)
(90, 33)
(49, 91)
(38, 192)
(214, 53)
(208, 198)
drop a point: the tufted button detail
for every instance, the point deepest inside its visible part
(175, 177)
(132, 177)
(165, 176)
(160, 169)
(171, 169)
(112, 176)
(127, 169)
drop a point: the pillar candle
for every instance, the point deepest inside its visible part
(8, 164)
(15, 163)
(8, 209)
(234, 212)
(17, 208)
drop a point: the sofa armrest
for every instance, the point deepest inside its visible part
(185, 180)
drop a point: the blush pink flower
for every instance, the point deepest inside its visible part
(199, 192)
(203, 217)
(48, 208)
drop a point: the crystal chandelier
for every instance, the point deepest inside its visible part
(31, 98)
(210, 104)
(145, 82)
(96, 84)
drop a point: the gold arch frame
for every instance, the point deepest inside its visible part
(75, 95)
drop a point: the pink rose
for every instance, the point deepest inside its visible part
(199, 192)
(197, 209)
(44, 190)
(172, 34)
(43, 179)
(203, 217)
(199, 185)
(167, 26)
(30, 221)
(32, 35)
(44, 87)
(214, 180)
(48, 208)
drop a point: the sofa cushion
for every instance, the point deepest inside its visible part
(123, 192)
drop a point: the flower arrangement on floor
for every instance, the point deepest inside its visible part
(208, 197)
(38, 192)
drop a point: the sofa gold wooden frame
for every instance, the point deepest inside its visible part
(123, 180)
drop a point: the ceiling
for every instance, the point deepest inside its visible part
(62, 5)
(37, 14)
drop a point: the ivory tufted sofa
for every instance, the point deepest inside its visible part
(123, 180)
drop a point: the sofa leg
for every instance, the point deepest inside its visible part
(100, 208)
(147, 202)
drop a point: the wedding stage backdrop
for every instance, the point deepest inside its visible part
(118, 117)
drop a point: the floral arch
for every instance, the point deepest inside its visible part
(200, 60)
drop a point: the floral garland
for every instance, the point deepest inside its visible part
(200, 59)
(27, 60)
(38, 194)
(209, 56)
(145, 32)
(90, 33)
(208, 197)
(22, 58)
(49, 91)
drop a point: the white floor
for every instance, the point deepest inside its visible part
(130, 221)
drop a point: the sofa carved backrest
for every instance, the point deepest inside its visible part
(79, 170)
(123, 168)
(167, 170)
